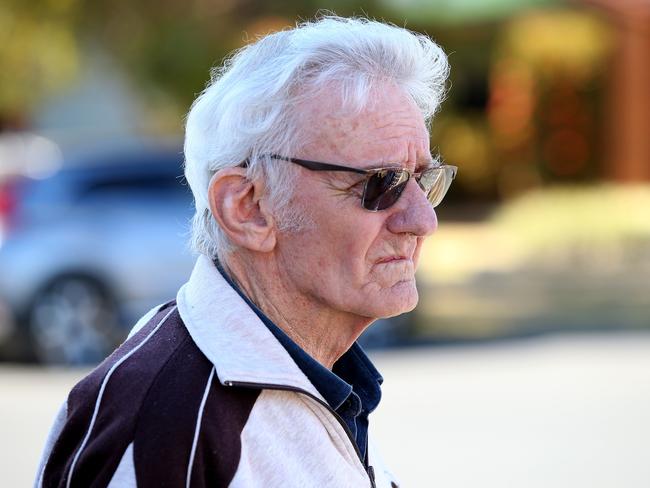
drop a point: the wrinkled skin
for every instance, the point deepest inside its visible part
(324, 284)
(354, 260)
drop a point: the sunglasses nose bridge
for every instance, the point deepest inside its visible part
(418, 180)
(422, 189)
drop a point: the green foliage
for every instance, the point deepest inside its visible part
(171, 45)
(166, 46)
(39, 53)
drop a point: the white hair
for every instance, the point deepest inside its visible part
(247, 112)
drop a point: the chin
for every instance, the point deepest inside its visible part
(401, 300)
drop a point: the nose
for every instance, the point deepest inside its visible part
(413, 214)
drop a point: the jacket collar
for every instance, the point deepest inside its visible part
(232, 336)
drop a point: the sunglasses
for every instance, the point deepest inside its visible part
(383, 186)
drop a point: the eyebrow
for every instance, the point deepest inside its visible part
(433, 162)
(320, 166)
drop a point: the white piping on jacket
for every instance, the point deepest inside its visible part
(197, 429)
(101, 393)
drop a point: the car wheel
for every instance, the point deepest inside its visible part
(73, 320)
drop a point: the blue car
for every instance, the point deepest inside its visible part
(89, 249)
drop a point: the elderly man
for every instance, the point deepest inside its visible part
(308, 156)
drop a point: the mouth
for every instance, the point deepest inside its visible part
(405, 252)
(393, 259)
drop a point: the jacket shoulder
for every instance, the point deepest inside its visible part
(148, 394)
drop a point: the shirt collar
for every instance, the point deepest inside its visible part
(219, 320)
(352, 372)
(355, 366)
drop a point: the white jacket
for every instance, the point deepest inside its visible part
(202, 394)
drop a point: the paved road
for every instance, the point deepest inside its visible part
(559, 412)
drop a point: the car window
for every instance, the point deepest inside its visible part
(152, 177)
(144, 185)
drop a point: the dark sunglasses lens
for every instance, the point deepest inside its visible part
(384, 188)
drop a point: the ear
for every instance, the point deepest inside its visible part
(241, 210)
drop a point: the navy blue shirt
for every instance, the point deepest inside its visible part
(352, 388)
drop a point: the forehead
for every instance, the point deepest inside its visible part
(389, 129)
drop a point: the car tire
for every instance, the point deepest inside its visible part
(73, 320)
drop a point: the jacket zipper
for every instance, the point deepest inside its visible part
(370, 471)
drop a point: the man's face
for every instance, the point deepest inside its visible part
(353, 260)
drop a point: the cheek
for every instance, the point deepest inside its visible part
(341, 256)
(364, 236)
(416, 253)
(324, 262)
(342, 242)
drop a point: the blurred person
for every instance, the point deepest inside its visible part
(308, 157)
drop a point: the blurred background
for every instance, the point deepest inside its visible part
(533, 292)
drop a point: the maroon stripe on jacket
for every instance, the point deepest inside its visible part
(81, 405)
(152, 399)
(226, 412)
(164, 437)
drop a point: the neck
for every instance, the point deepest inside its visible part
(323, 333)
